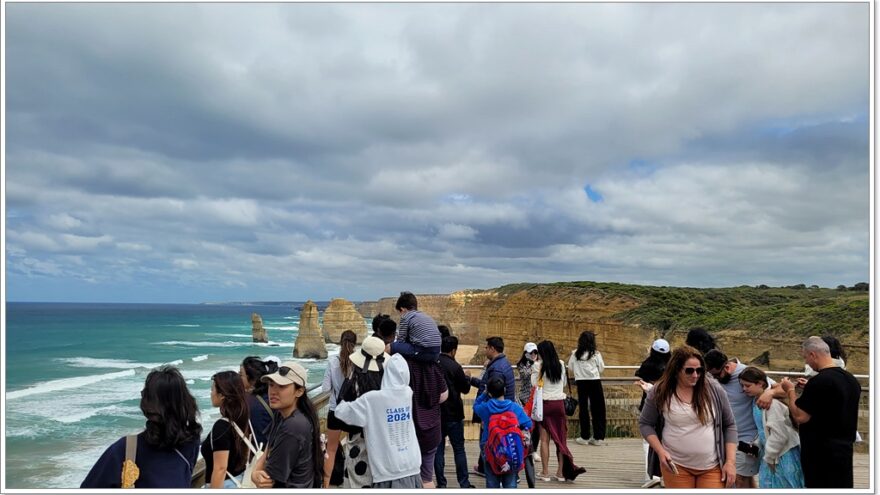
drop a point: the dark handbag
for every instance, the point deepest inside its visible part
(337, 475)
(653, 460)
(570, 402)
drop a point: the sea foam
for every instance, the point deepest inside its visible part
(200, 358)
(66, 383)
(87, 362)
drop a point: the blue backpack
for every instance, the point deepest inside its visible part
(504, 449)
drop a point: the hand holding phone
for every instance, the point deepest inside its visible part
(673, 466)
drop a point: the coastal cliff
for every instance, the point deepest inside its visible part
(748, 322)
(341, 315)
(310, 340)
(532, 316)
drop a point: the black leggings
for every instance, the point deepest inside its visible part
(591, 400)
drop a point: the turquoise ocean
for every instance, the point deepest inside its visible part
(74, 373)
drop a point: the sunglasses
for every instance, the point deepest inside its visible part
(691, 371)
(284, 370)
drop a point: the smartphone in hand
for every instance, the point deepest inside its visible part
(674, 467)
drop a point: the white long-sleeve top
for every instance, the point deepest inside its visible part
(552, 390)
(779, 432)
(586, 369)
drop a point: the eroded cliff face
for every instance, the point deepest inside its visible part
(340, 316)
(310, 340)
(560, 314)
(257, 331)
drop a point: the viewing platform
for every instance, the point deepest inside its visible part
(618, 465)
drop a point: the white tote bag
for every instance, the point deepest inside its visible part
(257, 452)
(538, 404)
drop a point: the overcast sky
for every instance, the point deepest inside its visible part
(209, 152)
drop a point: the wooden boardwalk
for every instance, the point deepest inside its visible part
(617, 465)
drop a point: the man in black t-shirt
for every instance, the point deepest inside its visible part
(452, 414)
(827, 412)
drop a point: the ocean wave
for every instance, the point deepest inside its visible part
(274, 344)
(184, 325)
(283, 327)
(87, 362)
(112, 410)
(200, 358)
(240, 335)
(228, 343)
(290, 317)
(67, 383)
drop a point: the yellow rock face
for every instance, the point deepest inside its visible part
(341, 315)
(560, 314)
(257, 330)
(310, 341)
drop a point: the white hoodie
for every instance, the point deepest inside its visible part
(389, 430)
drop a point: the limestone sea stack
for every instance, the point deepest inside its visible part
(341, 315)
(310, 341)
(257, 330)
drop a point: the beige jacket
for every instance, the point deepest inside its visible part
(779, 432)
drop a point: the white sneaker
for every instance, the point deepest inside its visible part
(536, 457)
(581, 441)
(597, 442)
(651, 483)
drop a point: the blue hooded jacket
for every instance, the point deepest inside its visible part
(486, 408)
(500, 366)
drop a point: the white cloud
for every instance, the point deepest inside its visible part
(186, 264)
(456, 231)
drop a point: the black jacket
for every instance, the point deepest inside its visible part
(458, 383)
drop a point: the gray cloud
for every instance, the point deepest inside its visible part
(197, 151)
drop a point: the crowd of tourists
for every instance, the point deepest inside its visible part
(710, 421)
(395, 405)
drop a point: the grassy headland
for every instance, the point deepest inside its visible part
(762, 311)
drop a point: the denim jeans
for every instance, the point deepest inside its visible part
(507, 480)
(455, 431)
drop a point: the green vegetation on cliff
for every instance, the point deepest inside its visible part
(783, 311)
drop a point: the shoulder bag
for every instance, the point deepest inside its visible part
(130, 471)
(254, 448)
(538, 401)
(570, 402)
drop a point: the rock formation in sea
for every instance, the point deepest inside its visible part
(341, 315)
(257, 330)
(310, 340)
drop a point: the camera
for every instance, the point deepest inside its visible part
(749, 448)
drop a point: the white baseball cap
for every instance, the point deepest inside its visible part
(530, 347)
(661, 346)
(289, 372)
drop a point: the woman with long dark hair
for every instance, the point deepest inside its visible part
(688, 422)
(225, 450)
(338, 369)
(549, 373)
(587, 365)
(167, 449)
(252, 369)
(293, 458)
